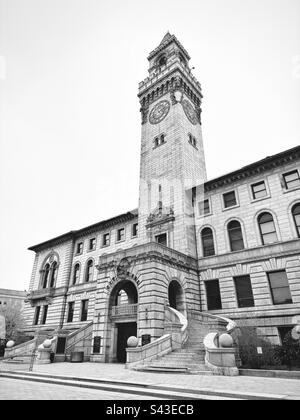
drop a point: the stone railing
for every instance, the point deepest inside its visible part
(80, 340)
(175, 336)
(139, 356)
(220, 353)
(22, 349)
(124, 310)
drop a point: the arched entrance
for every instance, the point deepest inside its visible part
(176, 296)
(123, 305)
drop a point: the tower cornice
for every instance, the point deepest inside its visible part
(166, 73)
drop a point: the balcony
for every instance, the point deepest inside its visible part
(41, 294)
(124, 311)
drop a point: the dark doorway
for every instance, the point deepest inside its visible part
(176, 296)
(125, 330)
(61, 345)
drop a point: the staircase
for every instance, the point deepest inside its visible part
(191, 358)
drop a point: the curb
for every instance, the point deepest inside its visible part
(164, 391)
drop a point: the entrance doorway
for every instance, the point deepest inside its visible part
(125, 330)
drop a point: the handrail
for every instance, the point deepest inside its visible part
(184, 322)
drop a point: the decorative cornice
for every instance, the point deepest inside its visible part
(73, 235)
(148, 252)
(255, 168)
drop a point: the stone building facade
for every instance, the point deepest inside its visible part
(228, 246)
(12, 298)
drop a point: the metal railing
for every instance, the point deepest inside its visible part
(124, 310)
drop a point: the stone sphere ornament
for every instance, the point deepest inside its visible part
(10, 344)
(132, 341)
(47, 344)
(225, 341)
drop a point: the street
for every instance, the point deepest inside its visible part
(12, 389)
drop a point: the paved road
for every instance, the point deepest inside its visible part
(12, 389)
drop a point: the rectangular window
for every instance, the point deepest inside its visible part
(213, 295)
(135, 229)
(84, 310)
(79, 248)
(161, 239)
(97, 344)
(204, 207)
(291, 179)
(36, 315)
(92, 244)
(71, 307)
(244, 291)
(280, 288)
(229, 199)
(120, 234)
(44, 316)
(259, 190)
(106, 238)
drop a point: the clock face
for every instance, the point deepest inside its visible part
(189, 111)
(159, 112)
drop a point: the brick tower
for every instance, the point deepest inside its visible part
(172, 156)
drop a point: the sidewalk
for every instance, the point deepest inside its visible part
(280, 388)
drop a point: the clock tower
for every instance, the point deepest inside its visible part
(172, 156)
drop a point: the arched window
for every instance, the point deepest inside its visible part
(267, 229)
(76, 274)
(46, 275)
(235, 236)
(296, 215)
(89, 271)
(162, 61)
(207, 242)
(53, 274)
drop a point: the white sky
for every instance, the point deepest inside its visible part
(69, 114)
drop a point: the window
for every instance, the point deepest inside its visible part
(244, 291)
(204, 207)
(159, 140)
(36, 315)
(207, 242)
(120, 235)
(79, 248)
(106, 239)
(259, 190)
(213, 295)
(235, 236)
(291, 180)
(53, 274)
(162, 239)
(89, 271)
(267, 229)
(92, 244)
(44, 316)
(71, 306)
(296, 216)
(192, 140)
(135, 229)
(280, 288)
(46, 275)
(76, 274)
(162, 61)
(229, 199)
(84, 310)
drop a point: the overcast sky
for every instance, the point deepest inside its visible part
(69, 114)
